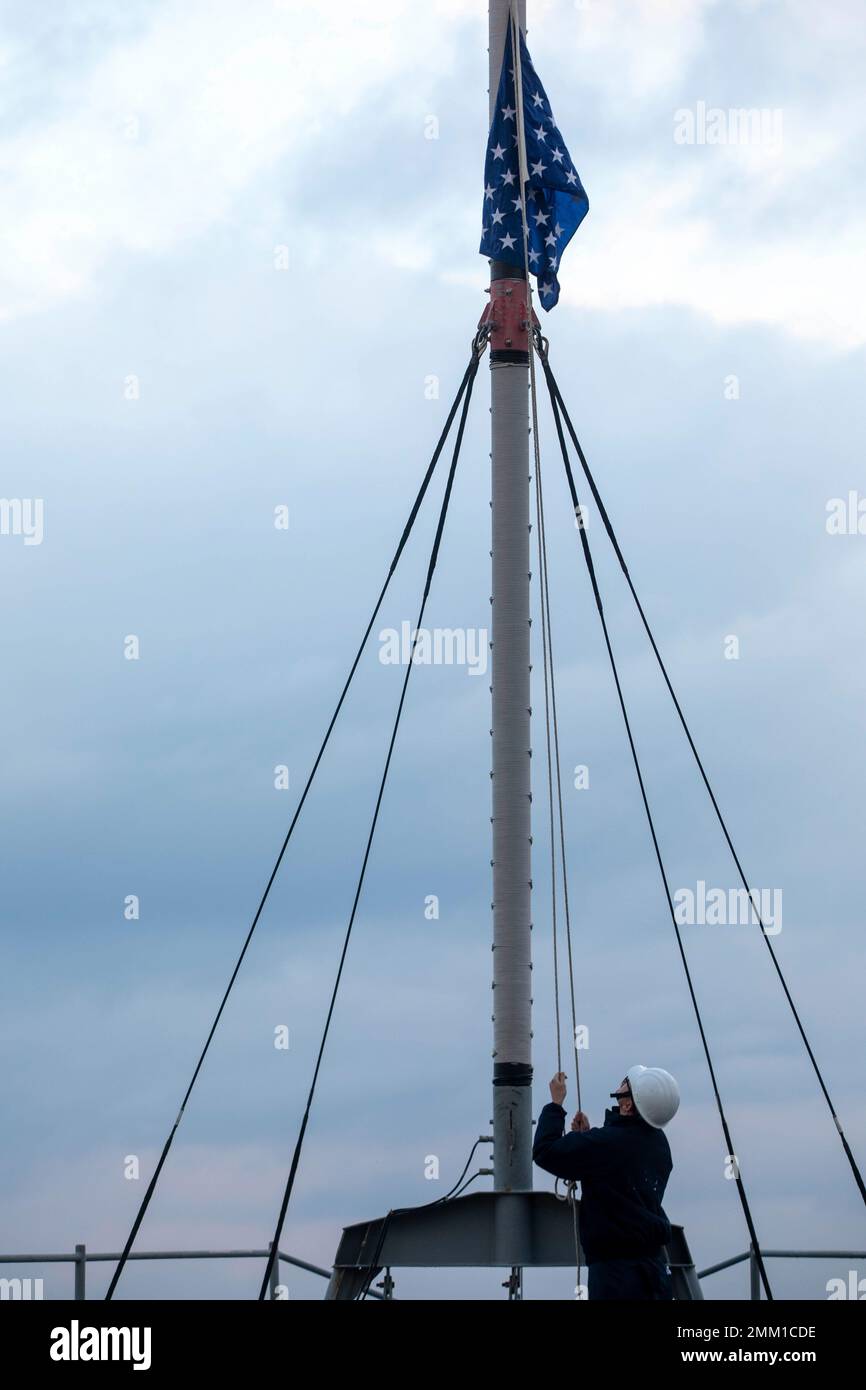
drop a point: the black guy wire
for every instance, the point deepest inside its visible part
(433, 558)
(468, 377)
(555, 392)
(662, 870)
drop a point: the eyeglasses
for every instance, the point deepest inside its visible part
(621, 1095)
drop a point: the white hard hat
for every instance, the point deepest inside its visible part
(655, 1093)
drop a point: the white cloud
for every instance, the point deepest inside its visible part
(159, 139)
(639, 47)
(155, 142)
(663, 241)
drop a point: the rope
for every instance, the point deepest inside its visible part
(656, 846)
(545, 627)
(547, 721)
(550, 711)
(569, 1196)
(571, 1199)
(465, 386)
(290, 1182)
(555, 393)
(557, 759)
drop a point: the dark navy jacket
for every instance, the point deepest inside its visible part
(623, 1170)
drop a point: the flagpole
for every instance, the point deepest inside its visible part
(510, 726)
(512, 1226)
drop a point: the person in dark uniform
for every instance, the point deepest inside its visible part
(623, 1169)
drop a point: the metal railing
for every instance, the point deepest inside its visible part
(754, 1275)
(81, 1258)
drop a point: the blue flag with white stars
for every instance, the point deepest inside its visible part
(556, 203)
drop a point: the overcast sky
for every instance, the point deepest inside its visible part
(231, 260)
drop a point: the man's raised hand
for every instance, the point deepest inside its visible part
(558, 1088)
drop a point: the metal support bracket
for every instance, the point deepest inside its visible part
(506, 1230)
(505, 319)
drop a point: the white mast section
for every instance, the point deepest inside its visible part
(511, 760)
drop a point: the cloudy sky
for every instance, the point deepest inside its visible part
(231, 260)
